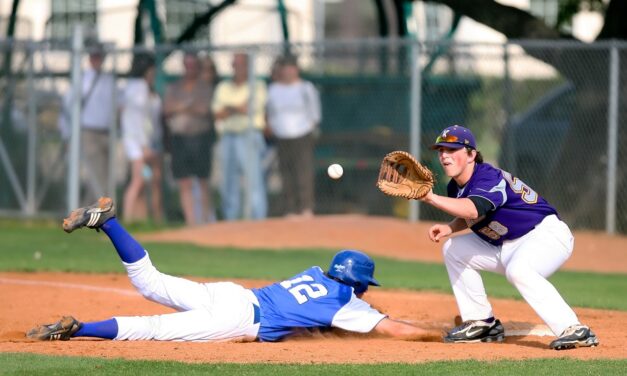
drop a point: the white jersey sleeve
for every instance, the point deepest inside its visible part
(357, 316)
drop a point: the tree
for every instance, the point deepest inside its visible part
(582, 164)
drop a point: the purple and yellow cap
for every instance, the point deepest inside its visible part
(455, 137)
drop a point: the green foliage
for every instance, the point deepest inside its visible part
(567, 9)
(49, 366)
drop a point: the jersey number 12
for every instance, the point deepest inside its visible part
(303, 290)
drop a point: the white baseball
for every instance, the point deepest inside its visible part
(335, 171)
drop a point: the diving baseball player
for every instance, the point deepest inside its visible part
(227, 311)
(515, 232)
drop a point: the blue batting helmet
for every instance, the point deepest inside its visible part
(353, 268)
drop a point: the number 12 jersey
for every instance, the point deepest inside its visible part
(312, 300)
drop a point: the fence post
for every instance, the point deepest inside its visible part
(507, 83)
(31, 178)
(110, 187)
(415, 112)
(75, 120)
(250, 133)
(612, 141)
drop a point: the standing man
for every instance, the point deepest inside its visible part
(97, 110)
(241, 144)
(515, 232)
(187, 109)
(293, 111)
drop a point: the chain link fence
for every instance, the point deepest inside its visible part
(544, 111)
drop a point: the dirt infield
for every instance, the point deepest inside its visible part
(29, 299)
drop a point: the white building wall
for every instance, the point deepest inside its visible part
(248, 21)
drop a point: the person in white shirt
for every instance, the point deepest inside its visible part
(293, 114)
(97, 110)
(142, 136)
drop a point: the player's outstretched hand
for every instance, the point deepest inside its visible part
(439, 231)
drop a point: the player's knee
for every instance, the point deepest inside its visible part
(148, 283)
(517, 273)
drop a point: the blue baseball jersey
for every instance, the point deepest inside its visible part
(311, 300)
(516, 208)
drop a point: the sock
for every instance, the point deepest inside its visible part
(128, 248)
(101, 329)
(489, 320)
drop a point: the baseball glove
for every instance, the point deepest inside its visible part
(401, 175)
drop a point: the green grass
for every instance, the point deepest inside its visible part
(88, 251)
(16, 364)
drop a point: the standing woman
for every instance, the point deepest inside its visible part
(142, 135)
(293, 114)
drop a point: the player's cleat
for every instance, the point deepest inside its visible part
(476, 331)
(575, 336)
(92, 216)
(59, 331)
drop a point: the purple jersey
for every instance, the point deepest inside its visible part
(516, 208)
(311, 300)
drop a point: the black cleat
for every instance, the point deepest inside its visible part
(59, 331)
(476, 331)
(575, 336)
(92, 216)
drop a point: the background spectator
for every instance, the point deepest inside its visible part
(241, 145)
(97, 111)
(293, 112)
(188, 113)
(142, 135)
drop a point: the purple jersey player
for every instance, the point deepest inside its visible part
(515, 232)
(313, 299)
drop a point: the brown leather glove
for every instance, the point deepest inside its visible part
(401, 175)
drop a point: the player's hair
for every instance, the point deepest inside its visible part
(288, 60)
(140, 65)
(478, 157)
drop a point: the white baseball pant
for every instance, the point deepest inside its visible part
(220, 311)
(526, 262)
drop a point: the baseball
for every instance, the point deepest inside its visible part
(335, 171)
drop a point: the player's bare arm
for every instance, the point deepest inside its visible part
(406, 331)
(440, 231)
(457, 207)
